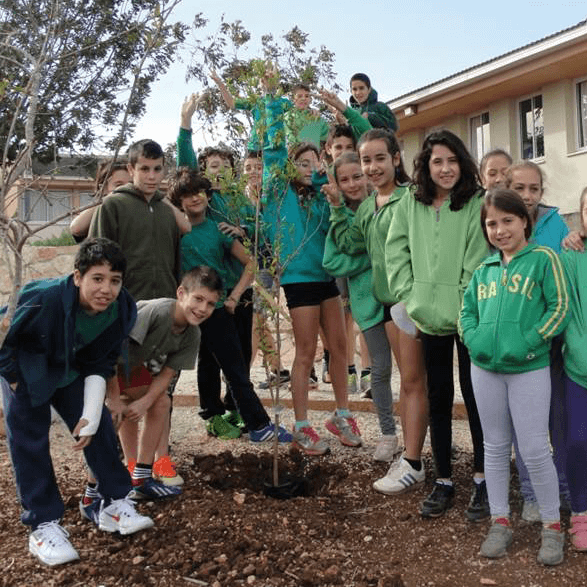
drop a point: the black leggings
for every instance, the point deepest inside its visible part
(438, 357)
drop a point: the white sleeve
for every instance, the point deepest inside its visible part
(94, 394)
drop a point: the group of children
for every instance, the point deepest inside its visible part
(450, 256)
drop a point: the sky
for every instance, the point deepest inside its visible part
(402, 46)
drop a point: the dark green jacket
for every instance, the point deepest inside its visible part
(148, 236)
(380, 115)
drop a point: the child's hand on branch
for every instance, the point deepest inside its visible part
(189, 106)
(332, 100)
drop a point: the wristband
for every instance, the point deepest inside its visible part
(94, 394)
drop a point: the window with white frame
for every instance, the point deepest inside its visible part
(479, 133)
(40, 206)
(531, 128)
(582, 113)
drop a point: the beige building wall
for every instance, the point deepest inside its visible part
(565, 166)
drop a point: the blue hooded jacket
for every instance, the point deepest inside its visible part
(39, 349)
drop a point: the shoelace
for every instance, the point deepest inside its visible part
(125, 507)
(53, 533)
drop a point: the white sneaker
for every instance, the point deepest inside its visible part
(50, 545)
(400, 477)
(386, 449)
(121, 516)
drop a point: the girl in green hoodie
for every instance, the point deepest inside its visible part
(516, 302)
(382, 164)
(433, 246)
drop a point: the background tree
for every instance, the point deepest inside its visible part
(73, 74)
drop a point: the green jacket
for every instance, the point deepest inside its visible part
(366, 310)
(430, 256)
(380, 114)
(366, 232)
(575, 347)
(296, 225)
(510, 313)
(148, 236)
(358, 124)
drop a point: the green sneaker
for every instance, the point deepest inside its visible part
(219, 427)
(235, 419)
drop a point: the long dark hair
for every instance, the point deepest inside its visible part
(389, 139)
(468, 183)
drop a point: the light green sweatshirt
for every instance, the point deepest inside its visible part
(430, 255)
(575, 347)
(365, 309)
(367, 233)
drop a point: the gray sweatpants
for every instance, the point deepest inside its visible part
(380, 351)
(519, 401)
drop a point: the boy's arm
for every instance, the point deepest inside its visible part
(358, 123)
(181, 220)
(139, 407)
(239, 252)
(186, 157)
(225, 93)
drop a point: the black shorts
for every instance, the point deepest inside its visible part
(309, 294)
(387, 313)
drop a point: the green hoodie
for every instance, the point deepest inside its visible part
(430, 255)
(510, 313)
(366, 310)
(575, 348)
(367, 233)
(379, 113)
(148, 236)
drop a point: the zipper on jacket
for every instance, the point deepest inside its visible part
(503, 283)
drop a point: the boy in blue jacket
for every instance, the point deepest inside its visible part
(63, 343)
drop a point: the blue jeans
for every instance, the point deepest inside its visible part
(27, 429)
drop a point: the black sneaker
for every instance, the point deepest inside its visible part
(313, 378)
(284, 377)
(478, 508)
(439, 501)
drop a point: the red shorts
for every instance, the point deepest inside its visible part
(139, 377)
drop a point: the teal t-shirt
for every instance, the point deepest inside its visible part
(207, 245)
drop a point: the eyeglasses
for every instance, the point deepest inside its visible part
(304, 165)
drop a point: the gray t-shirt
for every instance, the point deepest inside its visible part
(153, 342)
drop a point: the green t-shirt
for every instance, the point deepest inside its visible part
(88, 328)
(155, 344)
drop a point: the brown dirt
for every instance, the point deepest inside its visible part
(223, 531)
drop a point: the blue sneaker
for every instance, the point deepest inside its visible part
(268, 433)
(152, 489)
(90, 509)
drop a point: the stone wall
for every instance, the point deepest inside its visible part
(39, 262)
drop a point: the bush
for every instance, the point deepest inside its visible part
(63, 240)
